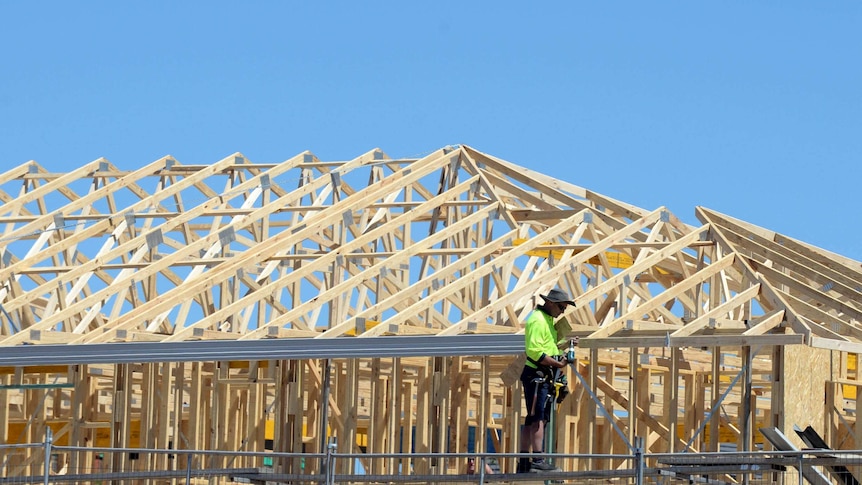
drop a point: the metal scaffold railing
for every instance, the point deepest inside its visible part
(49, 463)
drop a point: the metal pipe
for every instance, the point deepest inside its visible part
(640, 465)
(324, 412)
(602, 408)
(6, 314)
(745, 418)
(35, 386)
(801, 481)
(330, 460)
(49, 439)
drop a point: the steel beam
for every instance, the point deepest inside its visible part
(268, 349)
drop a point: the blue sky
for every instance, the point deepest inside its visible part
(753, 109)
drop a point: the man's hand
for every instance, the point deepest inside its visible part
(554, 361)
(561, 362)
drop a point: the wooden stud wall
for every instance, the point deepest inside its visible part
(437, 396)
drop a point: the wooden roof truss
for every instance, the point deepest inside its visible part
(451, 243)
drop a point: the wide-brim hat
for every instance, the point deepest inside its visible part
(558, 296)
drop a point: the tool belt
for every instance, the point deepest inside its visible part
(542, 370)
(558, 381)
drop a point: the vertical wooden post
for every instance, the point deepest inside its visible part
(256, 424)
(349, 411)
(484, 407)
(514, 396)
(609, 438)
(459, 408)
(284, 413)
(377, 416)
(193, 430)
(691, 418)
(715, 394)
(441, 407)
(148, 405)
(644, 402)
(633, 392)
(5, 379)
(394, 398)
(121, 422)
(589, 433)
(219, 428)
(857, 430)
(408, 423)
(38, 429)
(424, 392)
(77, 376)
(163, 412)
(178, 404)
(698, 408)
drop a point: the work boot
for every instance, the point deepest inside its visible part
(541, 466)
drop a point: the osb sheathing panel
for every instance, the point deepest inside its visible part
(806, 372)
(455, 242)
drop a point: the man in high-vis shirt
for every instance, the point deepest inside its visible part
(543, 358)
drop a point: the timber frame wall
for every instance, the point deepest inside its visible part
(690, 336)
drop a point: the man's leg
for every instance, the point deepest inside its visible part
(538, 433)
(539, 464)
(526, 438)
(528, 431)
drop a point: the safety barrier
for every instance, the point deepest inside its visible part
(27, 464)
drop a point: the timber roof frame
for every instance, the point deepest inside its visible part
(452, 244)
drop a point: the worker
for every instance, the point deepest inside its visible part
(543, 359)
(471, 467)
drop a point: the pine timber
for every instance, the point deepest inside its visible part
(675, 320)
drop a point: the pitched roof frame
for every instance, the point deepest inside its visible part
(455, 242)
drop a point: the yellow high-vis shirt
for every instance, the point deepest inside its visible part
(540, 337)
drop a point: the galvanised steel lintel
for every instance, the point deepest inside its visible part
(269, 349)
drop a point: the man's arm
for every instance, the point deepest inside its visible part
(549, 361)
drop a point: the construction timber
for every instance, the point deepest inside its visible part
(244, 306)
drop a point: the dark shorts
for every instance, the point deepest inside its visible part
(536, 395)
